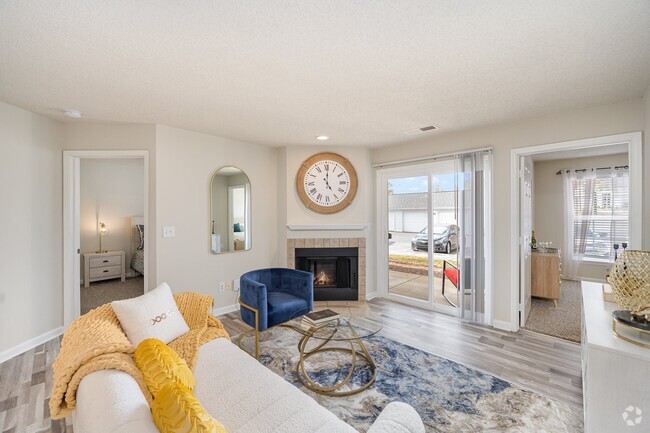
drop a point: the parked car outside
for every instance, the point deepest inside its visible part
(445, 240)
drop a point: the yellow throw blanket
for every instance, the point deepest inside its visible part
(96, 341)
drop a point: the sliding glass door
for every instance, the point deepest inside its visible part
(421, 234)
(408, 235)
(434, 231)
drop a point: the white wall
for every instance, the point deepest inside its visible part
(111, 191)
(118, 136)
(185, 163)
(548, 199)
(31, 267)
(626, 116)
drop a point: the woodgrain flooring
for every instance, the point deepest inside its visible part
(543, 364)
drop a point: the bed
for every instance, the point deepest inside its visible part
(137, 244)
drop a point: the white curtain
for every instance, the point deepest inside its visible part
(578, 209)
(474, 177)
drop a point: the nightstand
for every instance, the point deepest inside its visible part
(103, 266)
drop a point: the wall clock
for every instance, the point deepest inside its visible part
(326, 182)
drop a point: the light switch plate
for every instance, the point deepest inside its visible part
(169, 232)
(229, 286)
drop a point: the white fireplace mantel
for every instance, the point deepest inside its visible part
(325, 227)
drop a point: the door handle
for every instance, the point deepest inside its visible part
(105, 261)
(105, 271)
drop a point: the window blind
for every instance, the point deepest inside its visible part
(601, 213)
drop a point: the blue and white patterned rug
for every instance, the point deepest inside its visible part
(449, 396)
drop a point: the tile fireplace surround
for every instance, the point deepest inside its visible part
(292, 244)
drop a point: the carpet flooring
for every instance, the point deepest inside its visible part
(563, 321)
(103, 292)
(449, 396)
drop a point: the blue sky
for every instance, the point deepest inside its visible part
(407, 185)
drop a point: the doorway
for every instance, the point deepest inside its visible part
(105, 217)
(601, 178)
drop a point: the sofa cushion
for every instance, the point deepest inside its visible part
(152, 315)
(282, 306)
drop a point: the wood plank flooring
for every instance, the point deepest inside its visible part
(543, 364)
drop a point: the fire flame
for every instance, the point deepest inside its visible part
(322, 279)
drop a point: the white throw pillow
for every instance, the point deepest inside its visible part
(152, 315)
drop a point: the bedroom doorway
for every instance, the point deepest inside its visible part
(105, 218)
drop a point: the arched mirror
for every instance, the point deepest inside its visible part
(230, 211)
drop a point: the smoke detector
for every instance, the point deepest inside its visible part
(75, 114)
(422, 130)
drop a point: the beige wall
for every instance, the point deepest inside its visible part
(118, 136)
(31, 267)
(646, 171)
(361, 210)
(111, 191)
(626, 116)
(548, 199)
(185, 163)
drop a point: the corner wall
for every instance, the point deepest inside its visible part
(31, 266)
(185, 163)
(626, 116)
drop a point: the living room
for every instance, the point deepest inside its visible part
(269, 89)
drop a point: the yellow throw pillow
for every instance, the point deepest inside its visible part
(160, 364)
(176, 410)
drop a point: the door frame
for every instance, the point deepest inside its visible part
(72, 227)
(382, 273)
(635, 153)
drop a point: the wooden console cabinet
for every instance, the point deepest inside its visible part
(545, 275)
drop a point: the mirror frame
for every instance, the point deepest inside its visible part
(250, 212)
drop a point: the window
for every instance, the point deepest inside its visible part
(600, 213)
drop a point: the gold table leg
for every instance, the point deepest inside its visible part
(333, 390)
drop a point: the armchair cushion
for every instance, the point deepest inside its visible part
(282, 306)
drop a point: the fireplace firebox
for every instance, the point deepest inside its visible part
(335, 272)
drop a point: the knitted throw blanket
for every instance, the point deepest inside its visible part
(96, 341)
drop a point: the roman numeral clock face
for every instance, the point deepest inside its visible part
(326, 183)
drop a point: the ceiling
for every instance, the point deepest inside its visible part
(282, 72)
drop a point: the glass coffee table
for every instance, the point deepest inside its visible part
(343, 335)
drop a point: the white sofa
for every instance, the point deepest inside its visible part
(242, 394)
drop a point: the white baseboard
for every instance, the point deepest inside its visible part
(224, 310)
(371, 295)
(500, 324)
(30, 344)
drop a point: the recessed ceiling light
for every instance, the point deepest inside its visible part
(322, 137)
(75, 114)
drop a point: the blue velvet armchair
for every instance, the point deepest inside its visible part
(270, 297)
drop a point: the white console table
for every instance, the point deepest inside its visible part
(615, 373)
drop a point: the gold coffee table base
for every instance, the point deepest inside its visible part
(333, 390)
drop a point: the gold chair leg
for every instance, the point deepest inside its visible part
(256, 329)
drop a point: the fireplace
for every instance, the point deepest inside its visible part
(335, 272)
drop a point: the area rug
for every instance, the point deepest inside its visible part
(563, 321)
(449, 396)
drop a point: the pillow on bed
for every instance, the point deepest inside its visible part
(140, 228)
(152, 315)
